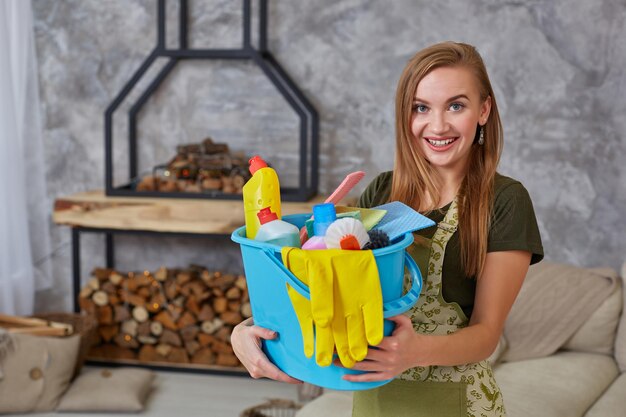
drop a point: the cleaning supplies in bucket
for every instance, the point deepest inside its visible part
(262, 190)
(346, 304)
(324, 214)
(275, 231)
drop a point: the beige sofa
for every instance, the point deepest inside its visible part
(563, 352)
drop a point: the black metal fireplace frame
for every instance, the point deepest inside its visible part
(309, 123)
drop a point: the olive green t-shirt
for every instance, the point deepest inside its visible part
(513, 227)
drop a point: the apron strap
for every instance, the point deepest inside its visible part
(445, 229)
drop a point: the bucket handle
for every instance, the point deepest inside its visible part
(390, 308)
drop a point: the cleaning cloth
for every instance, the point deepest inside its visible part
(345, 310)
(401, 219)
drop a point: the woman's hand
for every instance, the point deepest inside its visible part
(391, 357)
(246, 341)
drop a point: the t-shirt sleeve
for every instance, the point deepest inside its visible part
(377, 192)
(514, 225)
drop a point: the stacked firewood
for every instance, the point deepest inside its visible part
(172, 315)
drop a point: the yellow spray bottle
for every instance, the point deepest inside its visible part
(262, 190)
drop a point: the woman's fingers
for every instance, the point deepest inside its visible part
(246, 342)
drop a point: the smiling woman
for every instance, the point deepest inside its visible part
(448, 144)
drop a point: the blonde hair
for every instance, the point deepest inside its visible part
(413, 174)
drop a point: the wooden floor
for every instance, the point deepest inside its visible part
(190, 395)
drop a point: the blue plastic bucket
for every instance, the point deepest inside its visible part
(267, 277)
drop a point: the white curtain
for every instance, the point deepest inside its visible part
(24, 209)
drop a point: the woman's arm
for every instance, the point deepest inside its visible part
(496, 291)
(246, 341)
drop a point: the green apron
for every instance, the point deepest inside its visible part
(460, 391)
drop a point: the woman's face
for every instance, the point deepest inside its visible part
(446, 110)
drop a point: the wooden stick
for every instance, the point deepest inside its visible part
(39, 331)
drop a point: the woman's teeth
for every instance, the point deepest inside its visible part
(440, 143)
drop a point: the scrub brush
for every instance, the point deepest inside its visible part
(378, 239)
(346, 233)
(344, 188)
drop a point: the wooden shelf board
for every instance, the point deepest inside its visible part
(94, 209)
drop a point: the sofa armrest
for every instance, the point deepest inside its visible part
(613, 402)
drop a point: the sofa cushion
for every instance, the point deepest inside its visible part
(565, 384)
(554, 302)
(613, 402)
(37, 371)
(113, 390)
(597, 335)
(620, 340)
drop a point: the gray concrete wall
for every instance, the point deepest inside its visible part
(558, 69)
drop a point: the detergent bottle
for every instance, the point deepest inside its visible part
(262, 190)
(275, 231)
(323, 216)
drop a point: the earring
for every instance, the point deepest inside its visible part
(481, 138)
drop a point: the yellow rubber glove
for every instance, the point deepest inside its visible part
(346, 302)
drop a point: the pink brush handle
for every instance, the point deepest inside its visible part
(344, 188)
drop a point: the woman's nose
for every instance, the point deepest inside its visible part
(438, 122)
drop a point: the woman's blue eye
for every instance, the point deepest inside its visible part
(420, 108)
(456, 106)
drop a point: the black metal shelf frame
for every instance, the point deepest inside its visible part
(261, 56)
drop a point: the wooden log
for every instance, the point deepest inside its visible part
(191, 304)
(156, 328)
(205, 339)
(221, 347)
(85, 292)
(140, 314)
(189, 333)
(211, 326)
(161, 274)
(163, 349)
(147, 340)
(104, 314)
(144, 292)
(171, 289)
(171, 338)
(179, 302)
(220, 305)
(132, 298)
(114, 299)
(101, 273)
(129, 327)
(227, 359)
(121, 313)
(143, 329)
(233, 293)
(223, 334)
(231, 317)
(107, 333)
(115, 278)
(175, 311)
(203, 356)
(109, 288)
(178, 355)
(187, 319)
(246, 310)
(192, 347)
(156, 303)
(240, 282)
(100, 298)
(87, 305)
(94, 283)
(206, 313)
(126, 341)
(149, 353)
(166, 319)
(182, 278)
(234, 305)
